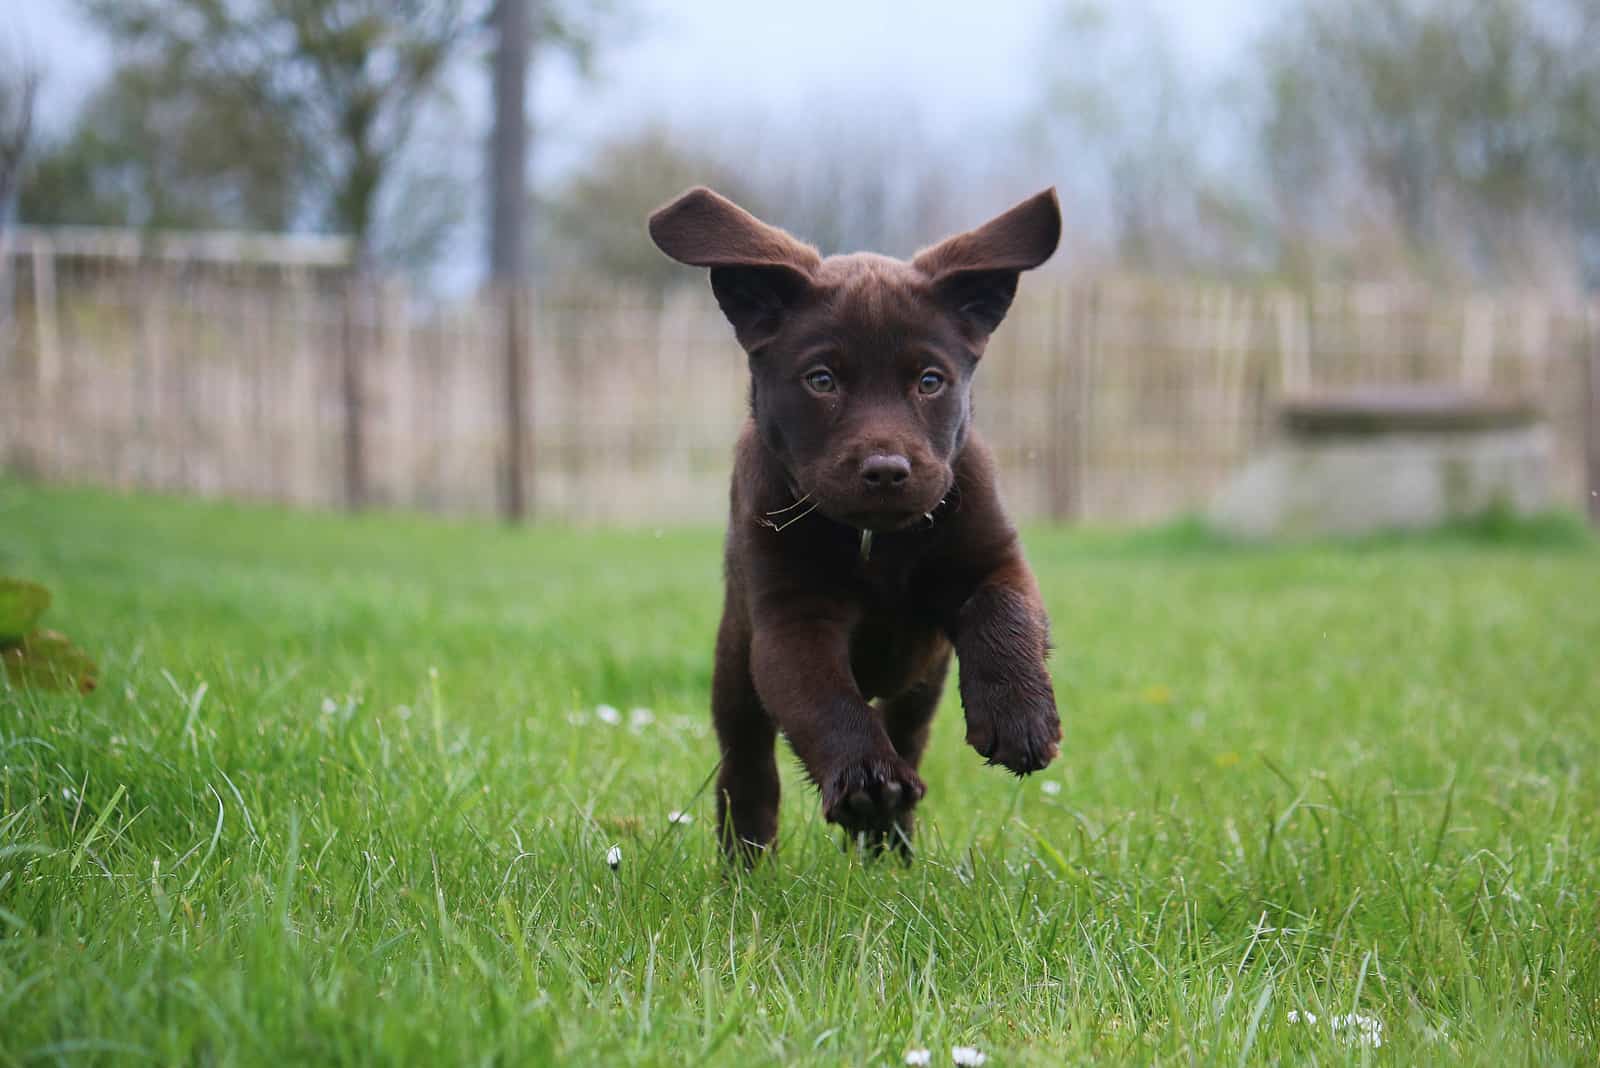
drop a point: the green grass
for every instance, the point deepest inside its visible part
(327, 806)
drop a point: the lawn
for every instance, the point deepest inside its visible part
(346, 791)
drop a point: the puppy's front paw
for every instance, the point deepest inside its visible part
(871, 794)
(1015, 726)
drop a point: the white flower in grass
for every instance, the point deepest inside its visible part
(329, 706)
(614, 857)
(1358, 1030)
(918, 1057)
(1354, 1028)
(970, 1056)
(1051, 787)
(641, 717)
(608, 715)
(676, 817)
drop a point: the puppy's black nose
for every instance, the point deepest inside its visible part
(881, 471)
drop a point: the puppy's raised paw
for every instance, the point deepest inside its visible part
(871, 794)
(1019, 731)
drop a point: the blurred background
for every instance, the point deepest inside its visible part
(391, 253)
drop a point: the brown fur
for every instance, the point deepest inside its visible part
(815, 627)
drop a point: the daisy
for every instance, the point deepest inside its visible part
(917, 1058)
(608, 715)
(1358, 1030)
(970, 1056)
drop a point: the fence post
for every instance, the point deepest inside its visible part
(1294, 363)
(352, 392)
(47, 352)
(1065, 344)
(514, 503)
(1591, 415)
(46, 421)
(1087, 299)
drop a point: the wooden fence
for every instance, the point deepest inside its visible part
(1106, 398)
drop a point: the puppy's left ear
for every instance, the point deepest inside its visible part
(975, 274)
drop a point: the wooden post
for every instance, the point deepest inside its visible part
(514, 503)
(1294, 374)
(352, 392)
(1065, 343)
(48, 350)
(1086, 342)
(1591, 421)
(44, 443)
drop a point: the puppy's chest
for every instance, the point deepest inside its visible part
(893, 596)
(896, 637)
(886, 582)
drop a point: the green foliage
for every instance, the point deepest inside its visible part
(1308, 779)
(334, 86)
(162, 146)
(46, 660)
(21, 605)
(1454, 141)
(38, 659)
(594, 221)
(286, 114)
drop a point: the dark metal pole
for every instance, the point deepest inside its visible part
(508, 240)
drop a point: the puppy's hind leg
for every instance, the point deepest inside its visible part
(747, 782)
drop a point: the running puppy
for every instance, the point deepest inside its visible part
(866, 538)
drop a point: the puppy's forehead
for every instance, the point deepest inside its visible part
(872, 293)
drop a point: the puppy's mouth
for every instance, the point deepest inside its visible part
(881, 513)
(883, 520)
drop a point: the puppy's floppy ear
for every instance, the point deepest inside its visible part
(758, 271)
(975, 274)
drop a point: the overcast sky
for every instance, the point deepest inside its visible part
(959, 60)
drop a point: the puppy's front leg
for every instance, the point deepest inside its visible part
(1002, 637)
(800, 659)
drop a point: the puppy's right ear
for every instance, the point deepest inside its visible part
(758, 272)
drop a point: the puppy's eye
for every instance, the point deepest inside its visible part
(930, 383)
(821, 381)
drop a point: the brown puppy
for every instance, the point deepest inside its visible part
(866, 536)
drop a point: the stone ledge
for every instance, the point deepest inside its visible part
(1394, 458)
(1392, 409)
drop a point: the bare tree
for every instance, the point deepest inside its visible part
(844, 186)
(1134, 136)
(19, 97)
(1444, 130)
